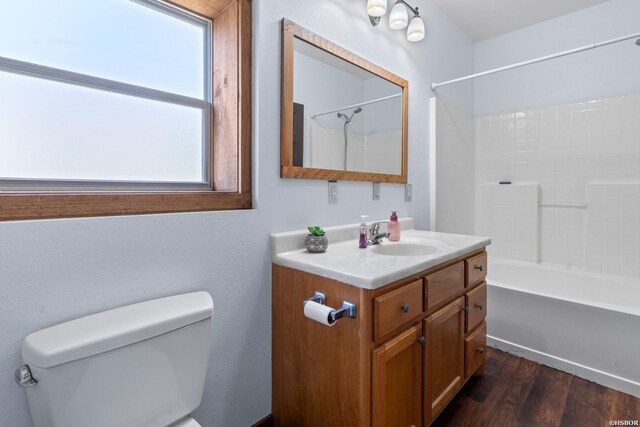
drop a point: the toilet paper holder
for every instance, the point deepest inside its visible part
(347, 310)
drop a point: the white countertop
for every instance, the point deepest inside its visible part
(363, 268)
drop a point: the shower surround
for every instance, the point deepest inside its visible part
(564, 274)
(586, 158)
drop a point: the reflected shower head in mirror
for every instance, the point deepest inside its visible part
(349, 118)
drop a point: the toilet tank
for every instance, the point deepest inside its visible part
(143, 365)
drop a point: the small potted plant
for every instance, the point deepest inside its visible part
(316, 241)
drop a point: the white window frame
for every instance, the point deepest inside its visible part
(79, 79)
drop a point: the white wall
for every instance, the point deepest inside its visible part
(455, 166)
(375, 134)
(321, 87)
(52, 271)
(608, 71)
(383, 116)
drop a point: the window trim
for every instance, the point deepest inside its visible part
(230, 139)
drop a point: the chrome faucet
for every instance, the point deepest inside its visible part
(374, 233)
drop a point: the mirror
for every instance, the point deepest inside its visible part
(343, 118)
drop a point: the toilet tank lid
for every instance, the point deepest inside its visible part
(112, 329)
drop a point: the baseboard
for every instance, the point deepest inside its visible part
(265, 422)
(604, 378)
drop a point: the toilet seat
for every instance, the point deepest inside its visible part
(185, 422)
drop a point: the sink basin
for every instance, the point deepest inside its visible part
(404, 249)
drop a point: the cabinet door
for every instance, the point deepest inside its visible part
(444, 357)
(397, 380)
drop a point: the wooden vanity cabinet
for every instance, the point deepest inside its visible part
(397, 309)
(475, 345)
(397, 380)
(412, 346)
(444, 357)
(444, 285)
(476, 303)
(476, 269)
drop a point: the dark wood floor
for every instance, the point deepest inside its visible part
(517, 392)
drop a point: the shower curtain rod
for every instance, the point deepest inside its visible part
(434, 86)
(362, 104)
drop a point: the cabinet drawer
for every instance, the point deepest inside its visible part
(475, 346)
(395, 310)
(476, 302)
(476, 269)
(444, 285)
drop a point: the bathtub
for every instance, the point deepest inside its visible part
(587, 324)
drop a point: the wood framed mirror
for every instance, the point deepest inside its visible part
(343, 118)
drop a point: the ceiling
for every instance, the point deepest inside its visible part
(483, 19)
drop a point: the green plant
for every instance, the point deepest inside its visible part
(316, 231)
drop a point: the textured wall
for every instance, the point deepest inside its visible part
(52, 271)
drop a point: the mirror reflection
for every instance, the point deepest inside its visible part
(345, 117)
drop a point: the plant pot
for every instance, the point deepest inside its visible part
(316, 244)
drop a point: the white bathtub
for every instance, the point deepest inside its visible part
(583, 323)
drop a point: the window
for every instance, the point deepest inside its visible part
(107, 107)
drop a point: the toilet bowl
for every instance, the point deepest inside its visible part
(142, 365)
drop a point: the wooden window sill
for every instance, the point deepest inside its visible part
(20, 206)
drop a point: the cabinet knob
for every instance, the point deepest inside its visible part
(480, 350)
(422, 340)
(478, 306)
(405, 308)
(478, 267)
(465, 309)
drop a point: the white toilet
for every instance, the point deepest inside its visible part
(142, 365)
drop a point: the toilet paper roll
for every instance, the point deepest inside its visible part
(318, 312)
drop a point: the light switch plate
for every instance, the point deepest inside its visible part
(408, 193)
(333, 192)
(376, 191)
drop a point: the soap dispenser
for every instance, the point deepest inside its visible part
(394, 227)
(363, 231)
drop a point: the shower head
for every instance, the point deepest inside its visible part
(638, 42)
(349, 118)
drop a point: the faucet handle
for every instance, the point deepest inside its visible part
(375, 227)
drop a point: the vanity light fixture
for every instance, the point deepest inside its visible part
(376, 9)
(398, 18)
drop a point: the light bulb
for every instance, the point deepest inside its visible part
(376, 7)
(399, 18)
(416, 30)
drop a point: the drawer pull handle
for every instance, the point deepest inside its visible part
(405, 308)
(422, 340)
(480, 350)
(478, 267)
(478, 306)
